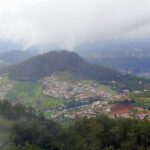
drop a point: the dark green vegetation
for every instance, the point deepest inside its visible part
(46, 64)
(20, 129)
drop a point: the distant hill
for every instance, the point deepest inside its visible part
(135, 65)
(124, 55)
(44, 65)
(15, 57)
(127, 58)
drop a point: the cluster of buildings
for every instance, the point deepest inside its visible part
(54, 87)
(90, 111)
(80, 91)
(112, 110)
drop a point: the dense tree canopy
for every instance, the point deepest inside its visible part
(101, 133)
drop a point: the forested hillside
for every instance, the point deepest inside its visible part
(21, 129)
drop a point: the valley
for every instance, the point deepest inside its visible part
(63, 97)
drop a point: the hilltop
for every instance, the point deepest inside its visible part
(45, 64)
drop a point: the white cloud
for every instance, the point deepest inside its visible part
(69, 23)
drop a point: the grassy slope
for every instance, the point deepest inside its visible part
(30, 94)
(101, 87)
(107, 89)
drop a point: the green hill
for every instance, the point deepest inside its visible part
(46, 64)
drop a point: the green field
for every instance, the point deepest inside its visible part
(30, 94)
(142, 98)
(141, 95)
(107, 89)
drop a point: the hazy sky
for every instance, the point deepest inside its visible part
(69, 23)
